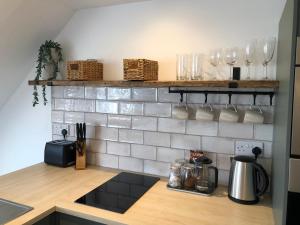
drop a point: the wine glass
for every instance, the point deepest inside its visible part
(215, 58)
(268, 48)
(231, 58)
(250, 55)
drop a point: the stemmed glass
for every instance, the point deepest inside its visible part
(268, 48)
(215, 58)
(250, 56)
(231, 58)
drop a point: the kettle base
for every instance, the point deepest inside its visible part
(244, 202)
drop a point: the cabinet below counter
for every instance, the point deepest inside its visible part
(50, 189)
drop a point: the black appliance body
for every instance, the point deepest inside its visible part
(119, 193)
(60, 153)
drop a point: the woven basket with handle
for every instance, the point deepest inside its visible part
(140, 69)
(84, 70)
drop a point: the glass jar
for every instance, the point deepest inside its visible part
(189, 176)
(175, 175)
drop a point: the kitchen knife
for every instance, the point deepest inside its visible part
(77, 131)
(84, 131)
(80, 131)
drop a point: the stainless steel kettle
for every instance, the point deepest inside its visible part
(247, 180)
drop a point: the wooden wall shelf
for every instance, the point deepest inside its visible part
(217, 84)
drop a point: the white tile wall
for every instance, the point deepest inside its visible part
(132, 129)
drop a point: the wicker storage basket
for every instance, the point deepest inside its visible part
(140, 69)
(84, 70)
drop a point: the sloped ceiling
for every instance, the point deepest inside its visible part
(25, 25)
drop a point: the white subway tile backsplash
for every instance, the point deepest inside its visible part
(107, 107)
(105, 160)
(158, 109)
(144, 123)
(157, 139)
(165, 96)
(188, 142)
(119, 121)
(74, 117)
(117, 148)
(169, 155)
(223, 161)
(131, 108)
(91, 158)
(237, 99)
(95, 93)
(104, 133)
(74, 92)
(171, 125)
(131, 136)
(57, 92)
(81, 105)
(131, 164)
(144, 94)
(263, 132)
(218, 145)
(202, 128)
(157, 168)
(223, 177)
(95, 119)
(143, 151)
(57, 116)
(96, 146)
(236, 130)
(118, 93)
(132, 129)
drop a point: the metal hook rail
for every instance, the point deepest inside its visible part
(227, 92)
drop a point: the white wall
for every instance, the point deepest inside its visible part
(160, 29)
(24, 130)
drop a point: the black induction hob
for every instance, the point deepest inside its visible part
(119, 193)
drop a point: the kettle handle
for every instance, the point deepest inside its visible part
(216, 171)
(262, 179)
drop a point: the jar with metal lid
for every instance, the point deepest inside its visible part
(175, 175)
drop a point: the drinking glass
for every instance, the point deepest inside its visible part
(250, 56)
(197, 67)
(231, 58)
(181, 67)
(268, 48)
(215, 58)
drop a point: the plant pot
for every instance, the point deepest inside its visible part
(49, 72)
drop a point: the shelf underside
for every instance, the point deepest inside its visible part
(215, 83)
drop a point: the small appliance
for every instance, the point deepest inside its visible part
(60, 153)
(248, 180)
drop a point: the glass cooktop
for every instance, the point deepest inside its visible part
(119, 193)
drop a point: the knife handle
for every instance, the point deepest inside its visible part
(84, 131)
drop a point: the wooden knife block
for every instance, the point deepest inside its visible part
(81, 159)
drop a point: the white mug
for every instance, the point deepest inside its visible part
(205, 113)
(229, 114)
(253, 116)
(180, 112)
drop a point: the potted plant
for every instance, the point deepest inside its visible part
(49, 57)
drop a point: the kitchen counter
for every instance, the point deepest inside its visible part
(48, 189)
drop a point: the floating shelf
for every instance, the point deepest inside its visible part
(213, 84)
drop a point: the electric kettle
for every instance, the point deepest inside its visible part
(248, 180)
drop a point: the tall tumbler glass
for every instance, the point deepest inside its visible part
(182, 67)
(197, 67)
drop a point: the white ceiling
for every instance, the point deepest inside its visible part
(81, 4)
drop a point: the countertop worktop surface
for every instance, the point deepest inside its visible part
(48, 189)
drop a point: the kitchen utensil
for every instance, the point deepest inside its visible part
(247, 180)
(81, 146)
(206, 175)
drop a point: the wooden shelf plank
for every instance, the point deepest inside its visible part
(122, 83)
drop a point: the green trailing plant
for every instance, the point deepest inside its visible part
(45, 58)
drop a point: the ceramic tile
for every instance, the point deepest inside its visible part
(95, 119)
(218, 145)
(119, 121)
(144, 123)
(202, 128)
(169, 155)
(185, 142)
(107, 107)
(171, 125)
(144, 94)
(95, 93)
(118, 93)
(157, 139)
(131, 108)
(131, 136)
(74, 92)
(117, 148)
(74, 117)
(105, 160)
(104, 133)
(131, 164)
(156, 168)
(158, 109)
(143, 151)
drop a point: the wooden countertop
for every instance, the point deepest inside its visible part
(48, 189)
